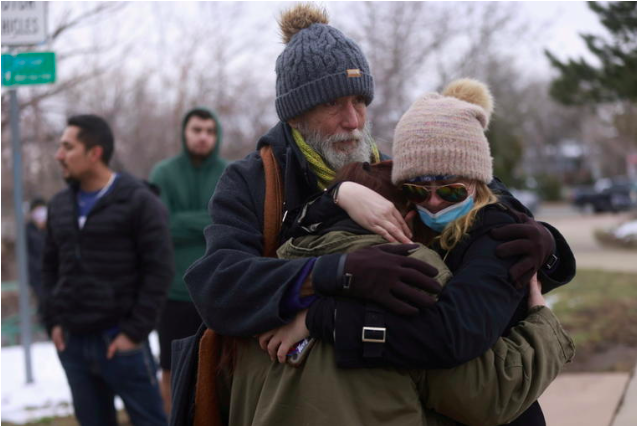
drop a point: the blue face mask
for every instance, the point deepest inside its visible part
(438, 221)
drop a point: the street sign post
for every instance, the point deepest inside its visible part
(21, 247)
(28, 68)
(23, 23)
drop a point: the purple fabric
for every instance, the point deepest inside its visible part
(292, 302)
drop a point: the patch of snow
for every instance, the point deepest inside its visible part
(627, 230)
(49, 395)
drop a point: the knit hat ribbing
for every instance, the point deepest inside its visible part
(444, 134)
(318, 64)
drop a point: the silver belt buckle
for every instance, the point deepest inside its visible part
(374, 334)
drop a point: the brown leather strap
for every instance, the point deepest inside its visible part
(206, 396)
(273, 206)
(207, 410)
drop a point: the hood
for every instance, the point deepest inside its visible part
(215, 152)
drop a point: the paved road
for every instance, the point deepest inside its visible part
(578, 229)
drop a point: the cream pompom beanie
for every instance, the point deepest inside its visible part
(444, 134)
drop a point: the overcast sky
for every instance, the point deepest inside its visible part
(564, 21)
(156, 37)
(561, 22)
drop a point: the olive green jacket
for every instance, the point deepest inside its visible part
(490, 390)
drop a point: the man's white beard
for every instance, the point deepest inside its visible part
(336, 159)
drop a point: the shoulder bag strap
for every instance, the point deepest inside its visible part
(207, 410)
(273, 205)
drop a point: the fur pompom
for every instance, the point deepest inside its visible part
(299, 17)
(472, 91)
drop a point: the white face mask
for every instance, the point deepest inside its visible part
(39, 214)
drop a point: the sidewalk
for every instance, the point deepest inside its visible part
(627, 410)
(585, 399)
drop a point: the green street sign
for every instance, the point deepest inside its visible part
(28, 68)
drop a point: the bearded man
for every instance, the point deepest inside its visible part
(324, 86)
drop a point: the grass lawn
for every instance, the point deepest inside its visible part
(599, 310)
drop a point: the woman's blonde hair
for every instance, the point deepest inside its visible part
(456, 230)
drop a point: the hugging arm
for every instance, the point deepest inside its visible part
(237, 291)
(546, 253)
(349, 199)
(472, 311)
(503, 382)
(551, 257)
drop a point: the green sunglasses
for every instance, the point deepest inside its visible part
(452, 193)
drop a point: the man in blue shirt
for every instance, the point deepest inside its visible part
(107, 266)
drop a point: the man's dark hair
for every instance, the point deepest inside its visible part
(94, 131)
(198, 112)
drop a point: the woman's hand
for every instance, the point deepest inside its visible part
(535, 293)
(278, 342)
(373, 212)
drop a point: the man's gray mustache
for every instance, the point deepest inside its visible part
(354, 136)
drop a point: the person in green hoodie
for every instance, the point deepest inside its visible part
(186, 181)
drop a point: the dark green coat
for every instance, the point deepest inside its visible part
(186, 191)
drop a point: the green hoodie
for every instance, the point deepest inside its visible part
(186, 190)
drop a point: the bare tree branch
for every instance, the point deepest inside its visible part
(67, 23)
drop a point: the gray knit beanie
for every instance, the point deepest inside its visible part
(319, 64)
(444, 135)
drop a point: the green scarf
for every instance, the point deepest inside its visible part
(324, 175)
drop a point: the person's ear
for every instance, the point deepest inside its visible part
(294, 122)
(95, 153)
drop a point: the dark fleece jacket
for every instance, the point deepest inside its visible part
(115, 271)
(236, 290)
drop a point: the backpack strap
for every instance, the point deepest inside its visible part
(207, 410)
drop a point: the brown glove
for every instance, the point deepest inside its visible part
(384, 274)
(531, 241)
